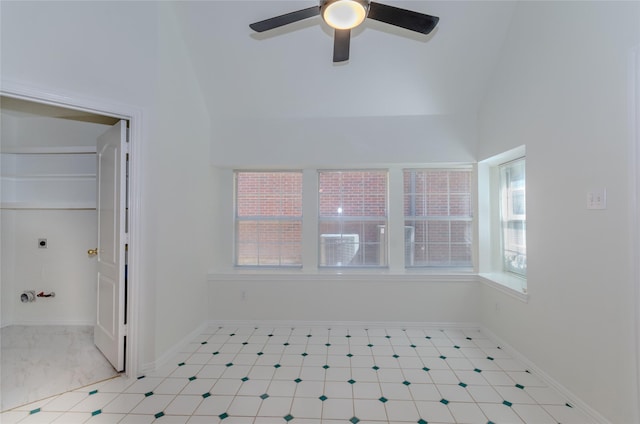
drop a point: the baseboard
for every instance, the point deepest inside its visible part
(345, 324)
(168, 355)
(51, 323)
(574, 400)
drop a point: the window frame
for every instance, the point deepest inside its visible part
(237, 219)
(443, 218)
(322, 219)
(507, 216)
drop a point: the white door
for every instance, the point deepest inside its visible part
(109, 331)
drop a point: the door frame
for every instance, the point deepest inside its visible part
(134, 115)
(634, 131)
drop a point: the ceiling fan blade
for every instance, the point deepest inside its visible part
(285, 19)
(408, 19)
(341, 42)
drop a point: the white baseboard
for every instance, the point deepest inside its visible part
(345, 324)
(50, 323)
(574, 400)
(168, 355)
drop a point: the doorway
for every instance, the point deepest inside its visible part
(49, 189)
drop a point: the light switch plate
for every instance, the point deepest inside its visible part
(597, 199)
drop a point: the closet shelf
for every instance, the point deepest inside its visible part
(48, 206)
(23, 150)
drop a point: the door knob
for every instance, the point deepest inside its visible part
(92, 252)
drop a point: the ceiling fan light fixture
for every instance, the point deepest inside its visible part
(344, 14)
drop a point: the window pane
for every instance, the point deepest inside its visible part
(268, 218)
(438, 217)
(353, 218)
(513, 216)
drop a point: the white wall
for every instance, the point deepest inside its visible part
(561, 89)
(121, 53)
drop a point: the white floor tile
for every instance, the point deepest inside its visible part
(467, 413)
(244, 374)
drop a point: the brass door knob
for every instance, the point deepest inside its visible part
(92, 252)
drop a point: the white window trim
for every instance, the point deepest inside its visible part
(490, 267)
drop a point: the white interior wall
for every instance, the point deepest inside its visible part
(562, 89)
(124, 57)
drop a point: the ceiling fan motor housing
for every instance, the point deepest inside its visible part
(344, 14)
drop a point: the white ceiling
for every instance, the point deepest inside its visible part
(288, 72)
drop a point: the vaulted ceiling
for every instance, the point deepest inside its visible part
(288, 72)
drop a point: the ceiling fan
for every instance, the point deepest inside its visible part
(343, 15)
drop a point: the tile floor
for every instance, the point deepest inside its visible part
(43, 360)
(234, 375)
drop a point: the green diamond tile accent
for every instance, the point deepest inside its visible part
(421, 421)
(277, 366)
(413, 346)
(461, 384)
(308, 335)
(159, 415)
(349, 355)
(141, 377)
(490, 422)
(93, 392)
(506, 402)
(323, 398)
(428, 337)
(369, 345)
(223, 416)
(477, 370)
(245, 343)
(426, 369)
(352, 381)
(230, 364)
(216, 353)
(443, 357)
(148, 394)
(304, 354)
(568, 405)
(388, 337)
(375, 367)
(192, 378)
(519, 386)
(354, 420)
(396, 356)
(260, 353)
(286, 344)
(96, 412)
(327, 344)
(444, 401)
(264, 396)
(406, 383)
(204, 343)
(490, 358)
(456, 347)
(34, 411)
(469, 338)
(288, 417)
(270, 335)
(348, 336)
(181, 364)
(383, 399)
(232, 334)
(325, 367)
(245, 379)
(206, 395)
(297, 380)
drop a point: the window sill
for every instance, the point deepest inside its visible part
(507, 283)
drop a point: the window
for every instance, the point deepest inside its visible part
(513, 217)
(268, 221)
(352, 218)
(438, 221)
